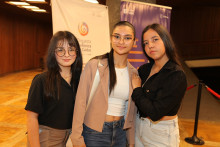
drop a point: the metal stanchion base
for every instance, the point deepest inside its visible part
(194, 140)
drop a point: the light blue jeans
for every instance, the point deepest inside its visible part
(156, 134)
(112, 135)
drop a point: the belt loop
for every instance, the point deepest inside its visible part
(120, 122)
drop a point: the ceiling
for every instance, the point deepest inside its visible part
(13, 10)
(6, 8)
(189, 3)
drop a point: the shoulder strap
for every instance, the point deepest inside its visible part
(94, 86)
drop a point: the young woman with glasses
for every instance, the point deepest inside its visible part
(158, 91)
(51, 96)
(111, 113)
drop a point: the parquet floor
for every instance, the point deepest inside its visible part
(13, 96)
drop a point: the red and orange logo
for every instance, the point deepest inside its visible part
(83, 28)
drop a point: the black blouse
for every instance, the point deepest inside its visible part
(53, 113)
(162, 93)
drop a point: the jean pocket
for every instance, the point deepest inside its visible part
(89, 130)
(174, 138)
(44, 135)
(160, 130)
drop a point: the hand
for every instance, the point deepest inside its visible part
(136, 81)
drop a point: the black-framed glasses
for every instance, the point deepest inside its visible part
(60, 51)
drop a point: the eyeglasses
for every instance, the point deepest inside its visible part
(60, 51)
(117, 38)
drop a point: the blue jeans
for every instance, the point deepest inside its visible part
(112, 135)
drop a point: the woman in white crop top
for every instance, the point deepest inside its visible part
(118, 98)
(109, 119)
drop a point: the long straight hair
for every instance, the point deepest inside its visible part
(167, 40)
(53, 77)
(110, 56)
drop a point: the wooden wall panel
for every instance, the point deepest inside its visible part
(6, 45)
(22, 42)
(24, 38)
(42, 42)
(196, 31)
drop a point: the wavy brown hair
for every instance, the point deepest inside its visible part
(53, 77)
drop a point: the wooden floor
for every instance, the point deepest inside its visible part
(13, 96)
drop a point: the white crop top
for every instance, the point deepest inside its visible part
(118, 98)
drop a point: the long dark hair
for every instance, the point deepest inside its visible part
(53, 77)
(167, 40)
(110, 56)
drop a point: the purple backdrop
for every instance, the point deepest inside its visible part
(141, 15)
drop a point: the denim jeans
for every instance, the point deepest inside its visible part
(112, 135)
(156, 134)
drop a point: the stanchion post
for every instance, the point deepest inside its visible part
(194, 139)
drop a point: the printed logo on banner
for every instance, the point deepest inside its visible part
(83, 28)
(128, 11)
(163, 16)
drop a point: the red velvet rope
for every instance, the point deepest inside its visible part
(190, 87)
(213, 92)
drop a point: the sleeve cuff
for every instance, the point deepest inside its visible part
(136, 92)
